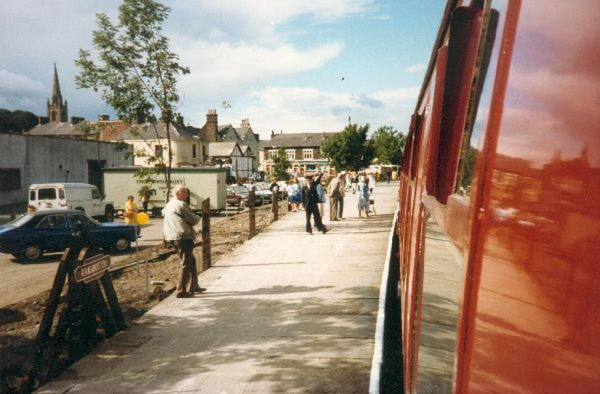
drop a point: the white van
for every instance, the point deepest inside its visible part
(81, 196)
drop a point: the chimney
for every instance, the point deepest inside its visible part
(272, 134)
(180, 120)
(75, 120)
(211, 125)
(43, 120)
(245, 123)
(140, 117)
(103, 118)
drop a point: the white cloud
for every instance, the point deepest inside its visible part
(415, 68)
(308, 109)
(223, 65)
(19, 84)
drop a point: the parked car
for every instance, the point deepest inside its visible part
(283, 188)
(35, 233)
(237, 196)
(258, 193)
(263, 190)
(81, 196)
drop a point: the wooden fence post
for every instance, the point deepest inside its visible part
(252, 214)
(275, 203)
(206, 262)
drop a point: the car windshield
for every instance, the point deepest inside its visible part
(18, 222)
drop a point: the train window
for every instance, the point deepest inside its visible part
(463, 48)
(443, 277)
(485, 74)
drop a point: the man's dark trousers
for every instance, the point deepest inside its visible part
(188, 273)
(313, 210)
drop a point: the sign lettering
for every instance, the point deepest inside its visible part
(92, 268)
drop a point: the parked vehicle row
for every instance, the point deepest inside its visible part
(237, 195)
(46, 231)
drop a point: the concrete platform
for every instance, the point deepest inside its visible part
(286, 312)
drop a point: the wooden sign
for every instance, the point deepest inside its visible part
(92, 268)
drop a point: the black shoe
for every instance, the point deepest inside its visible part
(198, 290)
(310, 232)
(184, 295)
(325, 229)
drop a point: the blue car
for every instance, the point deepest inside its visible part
(36, 233)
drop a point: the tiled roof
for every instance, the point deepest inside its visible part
(158, 131)
(113, 130)
(243, 132)
(221, 148)
(57, 129)
(299, 140)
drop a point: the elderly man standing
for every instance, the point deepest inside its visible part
(342, 195)
(179, 225)
(333, 191)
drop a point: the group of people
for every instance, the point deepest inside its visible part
(179, 219)
(315, 195)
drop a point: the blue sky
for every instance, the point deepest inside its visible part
(291, 65)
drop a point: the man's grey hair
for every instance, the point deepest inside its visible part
(176, 190)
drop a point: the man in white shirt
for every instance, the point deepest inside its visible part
(178, 229)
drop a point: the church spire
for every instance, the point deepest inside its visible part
(57, 111)
(56, 96)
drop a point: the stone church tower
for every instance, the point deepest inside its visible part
(57, 111)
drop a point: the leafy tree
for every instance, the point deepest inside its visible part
(281, 164)
(17, 121)
(23, 120)
(349, 149)
(388, 144)
(136, 71)
(5, 123)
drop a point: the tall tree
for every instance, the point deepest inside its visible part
(136, 71)
(16, 121)
(280, 165)
(387, 145)
(348, 150)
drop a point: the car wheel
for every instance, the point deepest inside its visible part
(122, 244)
(109, 216)
(31, 253)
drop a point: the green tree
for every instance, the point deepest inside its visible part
(5, 123)
(388, 144)
(16, 121)
(281, 164)
(136, 72)
(349, 149)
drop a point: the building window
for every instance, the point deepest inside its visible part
(158, 150)
(308, 154)
(10, 178)
(193, 151)
(290, 154)
(272, 153)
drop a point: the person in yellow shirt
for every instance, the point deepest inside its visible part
(131, 210)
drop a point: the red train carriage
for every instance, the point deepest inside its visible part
(499, 204)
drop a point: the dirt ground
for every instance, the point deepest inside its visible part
(19, 322)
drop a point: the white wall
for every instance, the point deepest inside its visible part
(49, 159)
(182, 151)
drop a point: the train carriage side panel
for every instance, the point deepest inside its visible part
(535, 313)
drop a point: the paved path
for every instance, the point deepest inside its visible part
(285, 312)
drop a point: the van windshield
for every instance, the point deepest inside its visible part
(47, 194)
